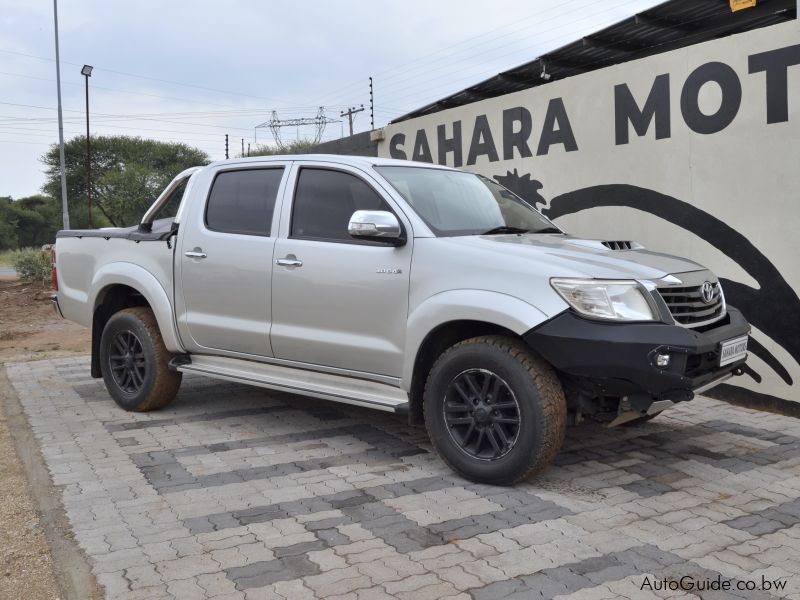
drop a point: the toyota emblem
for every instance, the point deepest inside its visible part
(707, 292)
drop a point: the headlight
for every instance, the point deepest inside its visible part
(606, 299)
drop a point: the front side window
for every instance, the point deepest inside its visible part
(243, 201)
(324, 202)
(459, 203)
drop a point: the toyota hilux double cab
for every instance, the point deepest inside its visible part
(400, 286)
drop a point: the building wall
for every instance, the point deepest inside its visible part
(714, 175)
(355, 145)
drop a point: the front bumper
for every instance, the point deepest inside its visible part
(617, 359)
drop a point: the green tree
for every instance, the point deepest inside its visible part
(298, 147)
(8, 224)
(31, 221)
(128, 173)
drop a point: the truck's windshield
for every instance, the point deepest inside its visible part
(457, 203)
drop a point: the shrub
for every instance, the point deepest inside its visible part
(33, 265)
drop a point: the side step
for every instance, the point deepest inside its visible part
(338, 388)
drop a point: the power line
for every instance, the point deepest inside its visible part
(472, 76)
(433, 76)
(168, 81)
(438, 56)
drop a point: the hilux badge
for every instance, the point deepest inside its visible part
(707, 292)
(387, 271)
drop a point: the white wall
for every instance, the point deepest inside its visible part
(744, 178)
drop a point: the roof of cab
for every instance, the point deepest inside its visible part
(341, 159)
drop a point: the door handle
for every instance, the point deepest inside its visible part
(289, 261)
(196, 253)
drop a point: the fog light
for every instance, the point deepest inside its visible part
(662, 360)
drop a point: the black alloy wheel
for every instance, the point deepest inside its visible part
(127, 362)
(495, 411)
(135, 362)
(482, 414)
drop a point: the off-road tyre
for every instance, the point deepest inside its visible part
(535, 388)
(149, 383)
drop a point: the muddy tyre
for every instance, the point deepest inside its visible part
(134, 361)
(494, 410)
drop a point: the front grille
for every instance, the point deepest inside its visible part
(687, 306)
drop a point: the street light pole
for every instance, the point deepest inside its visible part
(64, 205)
(86, 71)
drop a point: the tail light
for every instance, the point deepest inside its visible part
(55, 270)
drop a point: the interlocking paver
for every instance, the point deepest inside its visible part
(266, 495)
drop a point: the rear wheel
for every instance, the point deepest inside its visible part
(134, 361)
(495, 412)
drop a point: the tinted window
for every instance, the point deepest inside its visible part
(243, 201)
(325, 200)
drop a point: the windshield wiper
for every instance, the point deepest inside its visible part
(548, 230)
(504, 229)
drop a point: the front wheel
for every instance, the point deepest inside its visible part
(495, 412)
(134, 361)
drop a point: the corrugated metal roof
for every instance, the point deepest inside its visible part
(671, 25)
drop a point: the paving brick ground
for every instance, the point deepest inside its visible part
(236, 492)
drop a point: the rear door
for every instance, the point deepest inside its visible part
(338, 302)
(226, 262)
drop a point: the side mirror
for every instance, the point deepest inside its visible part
(376, 226)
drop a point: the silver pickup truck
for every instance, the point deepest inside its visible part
(400, 286)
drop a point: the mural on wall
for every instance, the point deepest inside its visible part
(692, 152)
(772, 308)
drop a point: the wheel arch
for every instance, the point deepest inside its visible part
(123, 285)
(451, 317)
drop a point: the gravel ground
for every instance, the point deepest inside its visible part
(27, 570)
(28, 330)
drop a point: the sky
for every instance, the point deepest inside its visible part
(192, 71)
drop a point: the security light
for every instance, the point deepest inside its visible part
(87, 70)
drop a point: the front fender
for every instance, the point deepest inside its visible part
(465, 305)
(144, 282)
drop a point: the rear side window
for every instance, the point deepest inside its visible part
(243, 201)
(324, 202)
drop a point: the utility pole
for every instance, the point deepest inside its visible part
(248, 148)
(242, 146)
(64, 205)
(86, 71)
(226, 146)
(372, 105)
(349, 114)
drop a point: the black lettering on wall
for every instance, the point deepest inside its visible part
(731, 88)
(422, 150)
(396, 146)
(516, 139)
(655, 107)
(452, 144)
(776, 64)
(556, 115)
(482, 143)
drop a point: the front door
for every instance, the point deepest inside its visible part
(226, 263)
(338, 302)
